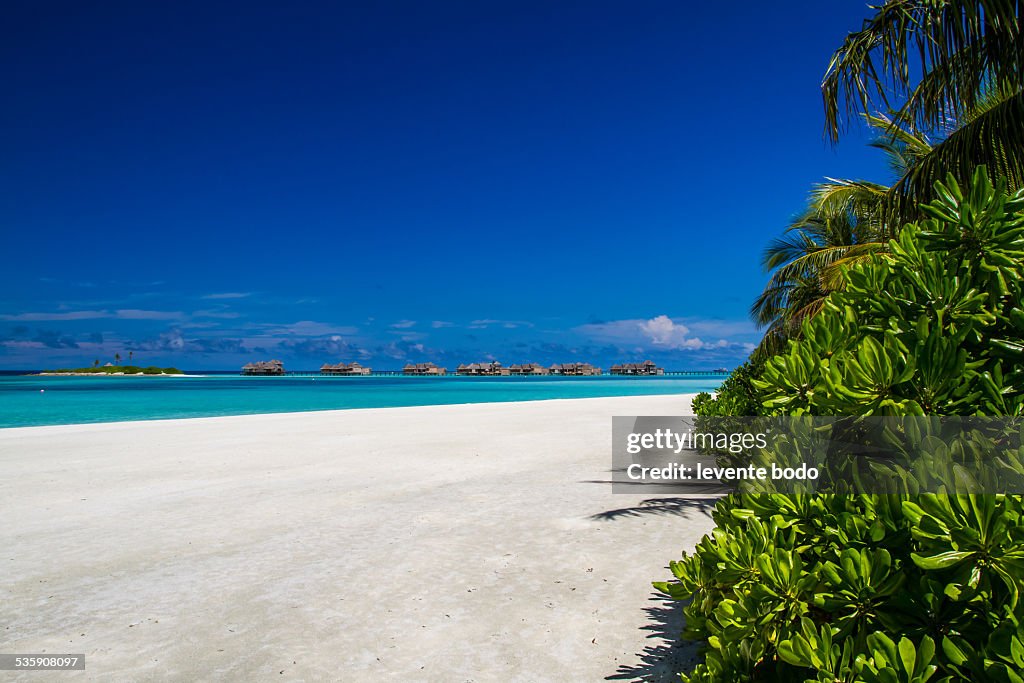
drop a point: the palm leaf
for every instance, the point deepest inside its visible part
(992, 136)
(961, 47)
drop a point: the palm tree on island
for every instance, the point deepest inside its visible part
(117, 359)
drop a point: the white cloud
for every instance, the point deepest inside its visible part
(173, 340)
(507, 324)
(138, 314)
(227, 295)
(66, 315)
(666, 333)
(22, 344)
(723, 328)
(215, 313)
(403, 324)
(663, 332)
(308, 328)
(120, 314)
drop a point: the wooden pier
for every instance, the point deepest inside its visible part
(702, 373)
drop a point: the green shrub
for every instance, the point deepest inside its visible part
(736, 396)
(899, 588)
(935, 327)
(152, 370)
(812, 587)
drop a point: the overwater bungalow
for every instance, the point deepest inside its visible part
(423, 369)
(264, 367)
(574, 369)
(528, 369)
(490, 369)
(344, 369)
(646, 368)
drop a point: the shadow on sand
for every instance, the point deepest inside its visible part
(668, 654)
(684, 507)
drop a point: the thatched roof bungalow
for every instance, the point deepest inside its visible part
(423, 369)
(264, 367)
(490, 369)
(574, 369)
(528, 369)
(353, 368)
(646, 368)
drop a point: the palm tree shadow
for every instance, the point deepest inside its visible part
(667, 654)
(661, 506)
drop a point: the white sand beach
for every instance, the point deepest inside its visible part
(445, 543)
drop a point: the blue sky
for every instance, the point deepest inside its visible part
(206, 184)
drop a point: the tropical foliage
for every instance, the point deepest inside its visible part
(846, 588)
(844, 223)
(736, 396)
(893, 301)
(850, 586)
(953, 67)
(950, 74)
(935, 328)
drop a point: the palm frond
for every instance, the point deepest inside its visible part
(993, 136)
(902, 147)
(950, 75)
(850, 208)
(962, 48)
(840, 226)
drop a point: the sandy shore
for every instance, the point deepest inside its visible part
(444, 543)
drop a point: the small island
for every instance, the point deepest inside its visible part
(110, 369)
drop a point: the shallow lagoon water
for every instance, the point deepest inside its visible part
(35, 400)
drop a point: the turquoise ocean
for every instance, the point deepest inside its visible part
(35, 400)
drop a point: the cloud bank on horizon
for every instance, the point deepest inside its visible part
(236, 331)
(439, 182)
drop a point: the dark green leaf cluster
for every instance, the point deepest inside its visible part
(896, 588)
(830, 587)
(933, 327)
(736, 396)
